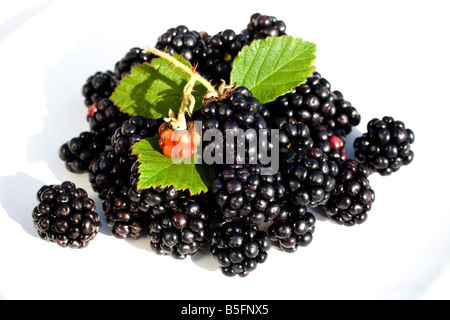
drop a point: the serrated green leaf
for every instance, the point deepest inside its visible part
(273, 67)
(150, 90)
(156, 169)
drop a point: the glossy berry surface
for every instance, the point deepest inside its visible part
(66, 215)
(310, 176)
(99, 86)
(242, 192)
(352, 197)
(293, 228)
(134, 57)
(238, 248)
(179, 232)
(189, 44)
(80, 151)
(386, 146)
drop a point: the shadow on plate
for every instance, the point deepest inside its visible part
(20, 209)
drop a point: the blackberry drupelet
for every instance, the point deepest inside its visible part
(238, 248)
(386, 146)
(187, 43)
(180, 231)
(80, 151)
(263, 26)
(314, 103)
(130, 132)
(123, 215)
(310, 176)
(99, 86)
(107, 172)
(352, 197)
(104, 118)
(219, 54)
(330, 144)
(155, 201)
(236, 113)
(293, 228)
(292, 133)
(66, 215)
(135, 56)
(243, 193)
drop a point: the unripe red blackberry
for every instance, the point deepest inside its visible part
(66, 215)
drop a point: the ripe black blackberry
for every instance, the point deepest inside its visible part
(130, 132)
(107, 172)
(104, 117)
(330, 144)
(238, 248)
(188, 43)
(310, 176)
(80, 151)
(135, 56)
(99, 86)
(292, 133)
(386, 146)
(352, 197)
(293, 228)
(236, 113)
(123, 215)
(66, 215)
(263, 26)
(244, 193)
(180, 231)
(314, 103)
(219, 54)
(155, 201)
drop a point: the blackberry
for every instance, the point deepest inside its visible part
(386, 146)
(181, 40)
(99, 86)
(123, 215)
(130, 132)
(330, 144)
(219, 54)
(154, 201)
(66, 215)
(263, 26)
(293, 228)
(310, 176)
(180, 231)
(80, 151)
(314, 103)
(352, 197)
(104, 118)
(243, 193)
(236, 113)
(135, 56)
(107, 172)
(292, 133)
(238, 248)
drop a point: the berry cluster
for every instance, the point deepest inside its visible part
(250, 205)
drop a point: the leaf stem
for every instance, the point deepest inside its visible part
(177, 64)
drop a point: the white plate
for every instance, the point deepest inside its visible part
(386, 62)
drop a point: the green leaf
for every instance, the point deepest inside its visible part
(273, 67)
(156, 169)
(152, 89)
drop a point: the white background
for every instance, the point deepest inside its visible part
(386, 57)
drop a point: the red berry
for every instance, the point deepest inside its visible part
(336, 142)
(162, 127)
(92, 110)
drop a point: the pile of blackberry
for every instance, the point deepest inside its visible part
(251, 205)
